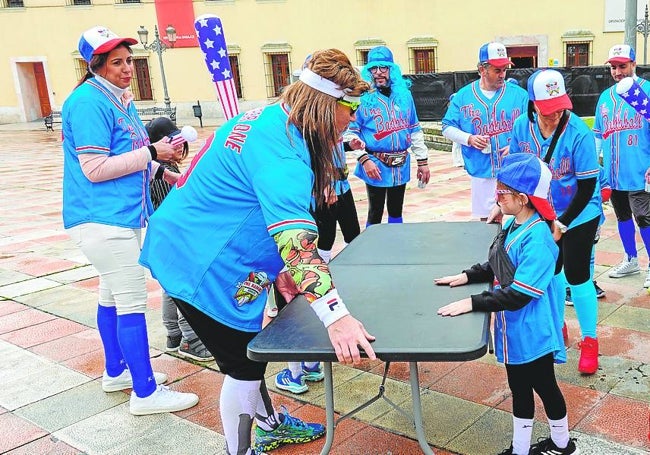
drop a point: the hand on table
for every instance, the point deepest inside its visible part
(456, 308)
(452, 280)
(347, 336)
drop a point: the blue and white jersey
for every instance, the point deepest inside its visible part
(95, 121)
(625, 138)
(386, 124)
(341, 186)
(574, 158)
(472, 112)
(535, 330)
(251, 180)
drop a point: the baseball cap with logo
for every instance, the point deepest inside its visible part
(527, 174)
(621, 53)
(99, 40)
(546, 89)
(495, 54)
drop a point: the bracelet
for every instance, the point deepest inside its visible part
(329, 308)
(363, 158)
(152, 150)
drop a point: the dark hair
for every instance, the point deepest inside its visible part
(531, 111)
(96, 62)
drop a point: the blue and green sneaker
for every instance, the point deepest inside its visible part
(291, 430)
(314, 374)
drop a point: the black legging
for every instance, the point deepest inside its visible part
(393, 196)
(575, 252)
(538, 375)
(345, 212)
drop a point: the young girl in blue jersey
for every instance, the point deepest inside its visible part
(107, 166)
(528, 323)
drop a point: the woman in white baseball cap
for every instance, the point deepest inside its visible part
(106, 171)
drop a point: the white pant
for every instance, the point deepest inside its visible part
(483, 196)
(114, 252)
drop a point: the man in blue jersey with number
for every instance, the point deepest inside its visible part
(623, 139)
(240, 214)
(480, 118)
(388, 124)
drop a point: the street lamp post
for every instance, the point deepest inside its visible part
(159, 46)
(643, 27)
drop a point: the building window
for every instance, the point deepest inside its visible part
(278, 73)
(577, 54)
(78, 2)
(12, 3)
(126, 1)
(362, 47)
(234, 69)
(423, 61)
(140, 83)
(523, 56)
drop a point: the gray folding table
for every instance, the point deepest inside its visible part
(385, 277)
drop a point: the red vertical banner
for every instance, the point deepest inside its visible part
(179, 14)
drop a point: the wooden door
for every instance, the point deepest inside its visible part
(142, 87)
(41, 86)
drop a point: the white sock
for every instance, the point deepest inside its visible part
(311, 365)
(325, 254)
(522, 431)
(295, 368)
(238, 401)
(560, 431)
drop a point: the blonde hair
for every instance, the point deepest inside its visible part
(314, 112)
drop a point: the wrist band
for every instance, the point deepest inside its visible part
(153, 152)
(329, 308)
(363, 158)
(423, 162)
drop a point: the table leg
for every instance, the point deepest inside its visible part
(329, 408)
(417, 408)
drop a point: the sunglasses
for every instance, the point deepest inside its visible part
(378, 69)
(353, 105)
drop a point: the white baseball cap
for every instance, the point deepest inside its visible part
(495, 54)
(99, 40)
(546, 89)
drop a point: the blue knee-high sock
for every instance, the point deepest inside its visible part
(645, 235)
(132, 333)
(627, 232)
(107, 326)
(586, 306)
(395, 219)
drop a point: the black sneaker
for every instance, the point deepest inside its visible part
(173, 343)
(548, 447)
(195, 350)
(567, 299)
(600, 292)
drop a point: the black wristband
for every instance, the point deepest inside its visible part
(153, 152)
(159, 173)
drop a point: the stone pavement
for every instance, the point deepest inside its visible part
(50, 395)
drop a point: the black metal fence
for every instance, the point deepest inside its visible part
(584, 85)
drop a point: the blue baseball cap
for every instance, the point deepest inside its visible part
(380, 56)
(527, 174)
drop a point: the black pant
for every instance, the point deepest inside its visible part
(538, 375)
(575, 252)
(628, 203)
(377, 195)
(345, 212)
(227, 345)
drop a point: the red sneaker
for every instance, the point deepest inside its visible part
(588, 363)
(565, 334)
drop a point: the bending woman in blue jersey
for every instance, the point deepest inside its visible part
(242, 213)
(528, 323)
(575, 193)
(107, 166)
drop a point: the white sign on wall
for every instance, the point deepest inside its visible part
(615, 14)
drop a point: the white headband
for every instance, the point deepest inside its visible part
(326, 86)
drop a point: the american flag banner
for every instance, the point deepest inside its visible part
(633, 94)
(213, 44)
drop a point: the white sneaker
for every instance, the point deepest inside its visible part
(125, 381)
(625, 268)
(163, 399)
(646, 284)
